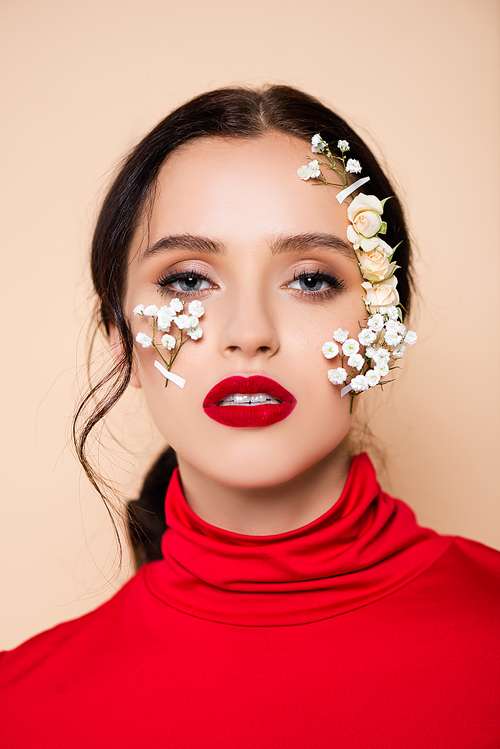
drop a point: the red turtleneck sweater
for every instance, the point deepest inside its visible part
(360, 630)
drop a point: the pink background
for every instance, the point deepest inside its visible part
(82, 83)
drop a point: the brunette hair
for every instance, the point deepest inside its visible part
(223, 113)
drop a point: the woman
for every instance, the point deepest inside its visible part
(297, 605)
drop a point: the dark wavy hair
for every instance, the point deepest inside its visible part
(224, 113)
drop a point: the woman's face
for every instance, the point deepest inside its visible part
(266, 254)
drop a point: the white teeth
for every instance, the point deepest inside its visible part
(245, 399)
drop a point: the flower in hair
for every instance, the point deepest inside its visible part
(161, 321)
(372, 356)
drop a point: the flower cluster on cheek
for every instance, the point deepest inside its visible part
(373, 352)
(161, 321)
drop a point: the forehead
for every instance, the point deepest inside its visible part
(242, 187)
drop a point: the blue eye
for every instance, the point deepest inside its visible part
(317, 282)
(185, 282)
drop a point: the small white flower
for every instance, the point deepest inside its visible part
(309, 171)
(390, 311)
(165, 316)
(392, 326)
(410, 338)
(337, 376)
(193, 322)
(182, 322)
(139, 310)
(150, 310)
(168, 341)
(357, 361)
(359, 383)
(340, 335)
(343, 145)
(330, 350)
(314, 169)
(370, 352)
(398, 351)
(376, 322)
(401, 329)
(195, 333)
(381, 356)
(392, 339)
(350, 347)
(372, 377)
(366, 336)
(195, 308)
(143, 339)
(176, 305)
(353, 166)
(382, 369)
(318, 145)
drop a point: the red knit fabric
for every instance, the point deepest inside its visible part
(358, 630)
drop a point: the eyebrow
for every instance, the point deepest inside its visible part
(294, 243)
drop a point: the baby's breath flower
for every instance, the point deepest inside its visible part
(165, 316)
(376, 322)
(176, 305)
(372, 377)
(196, 308)
(410, 338)
(366, 337)
(357, 361)
(168, 341)
(182, 322)
(340, 335)
(144, 340)
(391, 312)
(139, 310)
(382, 369)
(330, 350)
(309, 171)
(381, 355)
(318, 145)
(195, 333)
(353, 166)
(359, 383)
(343, 145)
(193, 322)
(351, 346)
(337, 376)
(392, 339)
(398, 351)
(370, 352)
(392, 326)
(150, 310)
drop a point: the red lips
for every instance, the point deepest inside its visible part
(248, 416)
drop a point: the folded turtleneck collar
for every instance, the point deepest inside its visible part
(365, 547)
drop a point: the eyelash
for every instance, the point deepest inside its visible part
(169, 278)
(336, 284)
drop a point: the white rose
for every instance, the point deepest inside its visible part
(365, 213)
(382, 294)
(375, 243)
(374, 265)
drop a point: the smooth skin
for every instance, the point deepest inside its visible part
(254, 241)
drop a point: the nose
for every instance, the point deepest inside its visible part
(249, 328)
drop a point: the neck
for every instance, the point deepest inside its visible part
(267, 510)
